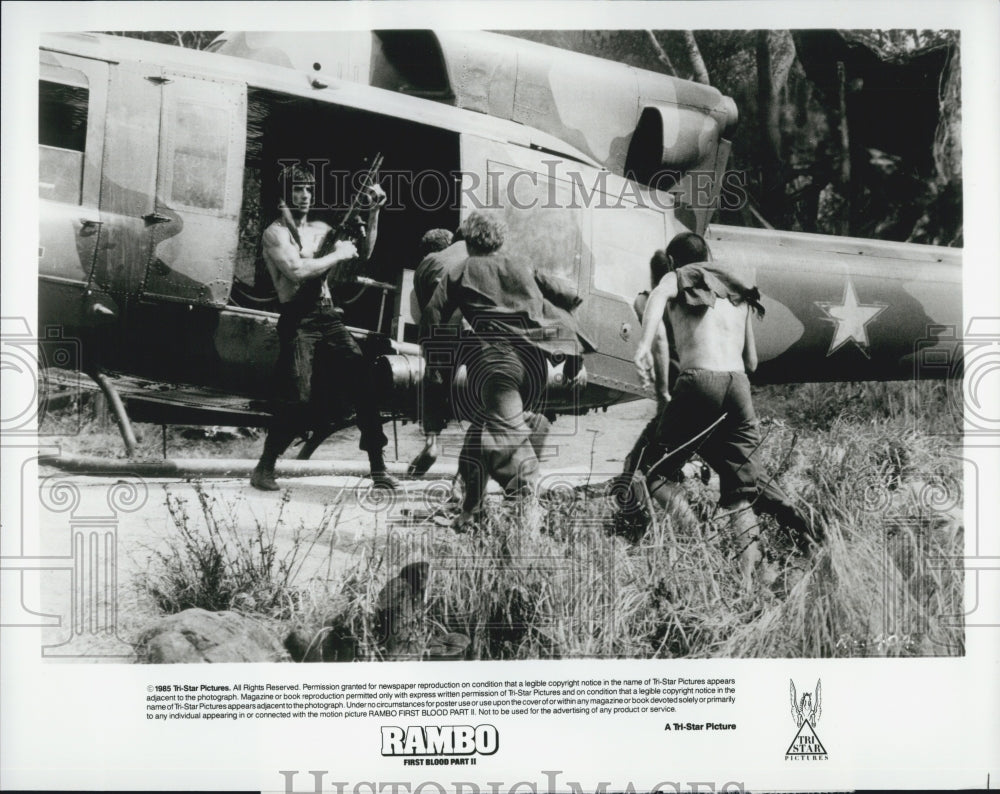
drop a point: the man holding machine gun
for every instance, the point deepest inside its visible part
(320, 366)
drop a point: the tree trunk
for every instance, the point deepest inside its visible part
(661, 54)
(698, 70)
(948, 135)
(844, 188)
(772, 180)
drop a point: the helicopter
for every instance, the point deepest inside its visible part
(157, 171)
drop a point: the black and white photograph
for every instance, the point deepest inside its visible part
(520, 373)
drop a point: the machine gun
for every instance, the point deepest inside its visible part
(351, 227)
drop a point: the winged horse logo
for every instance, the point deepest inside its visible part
(804, 709)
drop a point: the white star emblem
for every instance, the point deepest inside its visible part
(851, 320)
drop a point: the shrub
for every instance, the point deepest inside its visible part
(217, 564)
(550, 579)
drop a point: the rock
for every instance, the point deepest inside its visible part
(332, 642)
(401, 622)
(303, 645)
(200, 636)
(450, 647)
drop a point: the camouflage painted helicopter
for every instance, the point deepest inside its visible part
(157, 173)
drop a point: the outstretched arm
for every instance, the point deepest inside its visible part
(652, 323)
(749, 345)
(660, 351)
(661, 364)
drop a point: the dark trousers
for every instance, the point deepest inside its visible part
(691, 423)
(322, 374)
(448, 353)
(701, 397)
(504, 437)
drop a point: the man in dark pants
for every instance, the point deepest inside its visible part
(515, 333)
(318, 359)
(434, 407)
(710, 410)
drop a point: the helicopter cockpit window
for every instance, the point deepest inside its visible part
(62, 136)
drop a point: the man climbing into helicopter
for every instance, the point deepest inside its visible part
(442, 251)
(320, 366)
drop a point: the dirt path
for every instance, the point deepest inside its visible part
(99, 547)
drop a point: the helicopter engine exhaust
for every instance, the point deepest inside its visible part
(400, 375)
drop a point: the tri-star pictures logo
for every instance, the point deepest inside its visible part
(850, 320)
(806, 712)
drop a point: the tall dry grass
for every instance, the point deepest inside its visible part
(216, 562)
(549, 578)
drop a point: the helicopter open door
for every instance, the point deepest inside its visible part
(128, 179)
(584, 225)
(578, 223)
(627, 226)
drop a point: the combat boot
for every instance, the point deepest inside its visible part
(277, 440)
(263, 478)
(380, 475)
(428, 455)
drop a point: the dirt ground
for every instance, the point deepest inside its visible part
(100, 546)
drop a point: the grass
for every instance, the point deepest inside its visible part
(214, 563)
(569, 589)
(550, 579)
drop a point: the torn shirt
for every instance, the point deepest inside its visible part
(700, 285)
